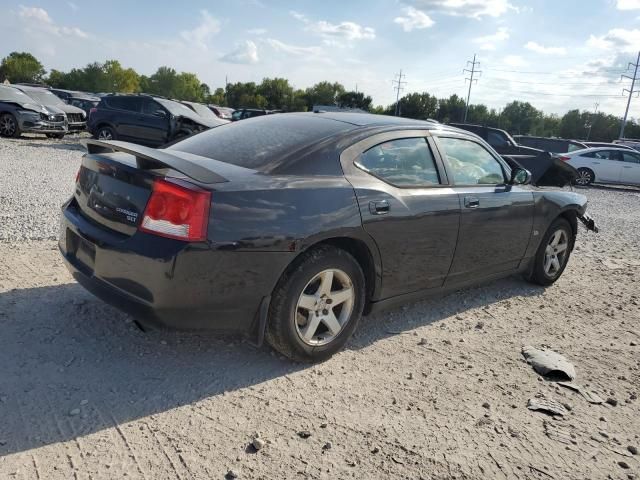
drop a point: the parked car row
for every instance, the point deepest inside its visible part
(148, 120)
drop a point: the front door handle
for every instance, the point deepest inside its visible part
(379, 207)
(471, 202)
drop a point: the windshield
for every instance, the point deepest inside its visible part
(203, 111)
(9, 94)
(45, 97)
(176, 108)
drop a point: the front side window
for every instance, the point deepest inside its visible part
(631, 157)
(471, 164)
(405, 162)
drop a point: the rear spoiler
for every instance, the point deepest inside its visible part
(151, 158)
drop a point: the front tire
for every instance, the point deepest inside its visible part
(9, 126)
(585, 177)
(316, 306)
(553, 253)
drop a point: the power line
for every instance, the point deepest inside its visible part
(398, 88)
(553, 94)
(630, 90)
(581, 84)
(473, 71)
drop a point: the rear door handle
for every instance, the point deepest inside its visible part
(471, 202)
(379, 207)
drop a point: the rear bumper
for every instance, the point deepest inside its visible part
(168, 283)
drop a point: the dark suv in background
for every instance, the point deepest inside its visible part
(144, 119)
(552, 145)
(500, 140)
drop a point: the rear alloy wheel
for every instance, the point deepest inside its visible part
(553, 253)
(9, 126)
(316, 305)
(585, 177)
(105, 133)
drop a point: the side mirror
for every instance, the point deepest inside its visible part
(160, 113)
(520, 176)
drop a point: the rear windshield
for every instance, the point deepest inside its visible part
(255, 143)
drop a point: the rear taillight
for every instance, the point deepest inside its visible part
(78, 175)
(177, 211)
(564, 158)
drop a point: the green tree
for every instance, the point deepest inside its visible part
(21, 67)
(218, 97)
(277, 92)
(519, 117)
(354, 100)
(451, 109)
(323, 93)
(420, 106)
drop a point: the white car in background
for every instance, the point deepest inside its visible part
(605, 165)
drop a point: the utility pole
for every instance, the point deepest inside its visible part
(473, 71)
(226, 89)
(590, 124)
(631, 92)
(398, 88)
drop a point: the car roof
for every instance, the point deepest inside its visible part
(600, 149)
(29, 88)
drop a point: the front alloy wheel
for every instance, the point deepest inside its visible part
(556, 253)
(324, 307)
(105, 133)
(8, 125)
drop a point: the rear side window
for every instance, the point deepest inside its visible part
(124, 103)
(405, 162)
(631, 157)
(260, 143)
(497, 139)
(471, 164)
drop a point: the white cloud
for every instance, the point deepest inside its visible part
(335, 32)
(413, 19)
(38, 19)
(488, 42)
(514, 61)
(628, 4)
(257, 31)
(618, 39)
(201, 35)
(245, 53)
(292, 49)
(342, 31)
(466, 8)
(536, 47)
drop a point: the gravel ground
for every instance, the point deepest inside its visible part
(437, 389)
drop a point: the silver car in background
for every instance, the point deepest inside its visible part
(76, 117)
(605, 165)
(19, 113)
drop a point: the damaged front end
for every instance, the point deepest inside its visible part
(546, 170)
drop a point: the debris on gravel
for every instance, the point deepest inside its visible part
(547, 406)
(548, 363)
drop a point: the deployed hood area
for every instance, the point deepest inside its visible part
(546, 169)
(48, 99)
(17, 97)
(180, 110)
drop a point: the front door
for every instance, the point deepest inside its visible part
(496, 219)
(407, 207)
(630, 172)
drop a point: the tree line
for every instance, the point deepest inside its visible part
(278, 94)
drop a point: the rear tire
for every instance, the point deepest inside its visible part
(105, 133)
(586, 177)
(553, 253)
(316, 305)
(9, 126)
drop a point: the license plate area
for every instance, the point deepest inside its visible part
(81, 251)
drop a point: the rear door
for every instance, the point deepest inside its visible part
(496, 218)
(630, 172)
(607, 165)
(123, 115)
(407, 206)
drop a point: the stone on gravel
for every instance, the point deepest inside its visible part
(632, 450)
(612, 401)
(327, 446)
(304, 434)
(624, 465)
(258, 444)
(74, 412)
(231, 474)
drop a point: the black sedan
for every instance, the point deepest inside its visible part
(291, 227)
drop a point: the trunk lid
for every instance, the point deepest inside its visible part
(116, 179)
